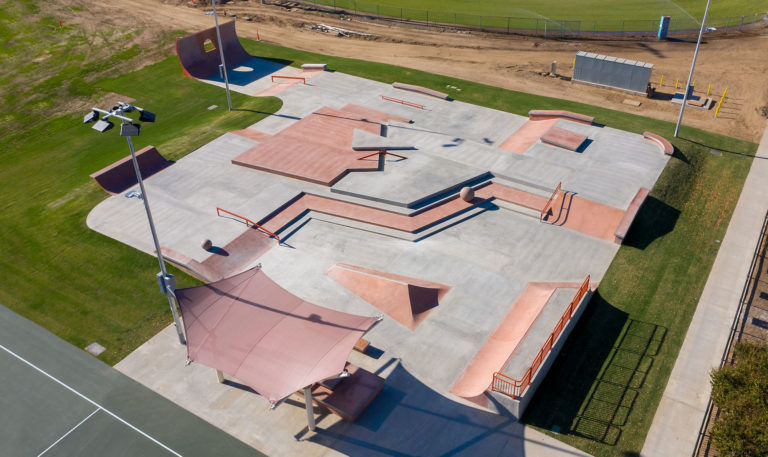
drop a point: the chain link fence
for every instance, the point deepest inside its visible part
(541, 26)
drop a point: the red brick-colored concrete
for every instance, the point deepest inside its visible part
(567, 210)
(318, 148)
(348, 397)
(526, 135)
(563, 138)
(252, 134)
(406, 300)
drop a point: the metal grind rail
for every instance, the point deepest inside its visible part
(551, 200)
(248, 221)
(304, 80)
(403, 102)
(515, 387)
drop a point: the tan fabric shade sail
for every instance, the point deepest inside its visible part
(254, 330)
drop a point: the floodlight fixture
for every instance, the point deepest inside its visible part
(93, 116)
(129, 129)
(102, 125)
(146, 116)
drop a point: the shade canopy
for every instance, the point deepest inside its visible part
(254, 330)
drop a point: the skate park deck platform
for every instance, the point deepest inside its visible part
(487, 250)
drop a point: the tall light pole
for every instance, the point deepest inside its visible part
(690, 75)
(221, 53)
(128, 129)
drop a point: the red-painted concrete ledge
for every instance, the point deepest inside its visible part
(662, 142)
(421, 90)
(526, 135)
(569, 211)
(629, 215)
(563, 138)
(538, 115)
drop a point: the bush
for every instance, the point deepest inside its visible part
(741, 393)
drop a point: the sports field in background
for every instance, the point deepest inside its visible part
(598, 15)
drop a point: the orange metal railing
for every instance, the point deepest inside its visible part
(515, 387)
(289, 77)
(550, 201)
(404, 102)
(247, 222)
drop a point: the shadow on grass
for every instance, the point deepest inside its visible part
(654, 220)
(595, 382)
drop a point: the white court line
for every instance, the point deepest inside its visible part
(70, 431)
(61, 383)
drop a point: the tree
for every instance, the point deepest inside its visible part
(740, 391)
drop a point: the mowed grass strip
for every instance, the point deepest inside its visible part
(77, 283)
(604, 388)
(597, 15)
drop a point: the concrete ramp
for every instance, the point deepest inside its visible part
(196, 62)
(404, 299)
(121, 175)
(502, 344)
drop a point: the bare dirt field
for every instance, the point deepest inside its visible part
(736, 62)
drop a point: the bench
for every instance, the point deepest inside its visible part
(629, 215)
(665, 145)
(349, 396)
(541, 114)
(420, 90)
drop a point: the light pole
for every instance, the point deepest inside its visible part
(221, 53)
(128, 129)
(690, 75)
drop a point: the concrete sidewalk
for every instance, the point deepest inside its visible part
(676, 425)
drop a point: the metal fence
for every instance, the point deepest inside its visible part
(548, 28)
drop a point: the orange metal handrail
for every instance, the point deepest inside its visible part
(289, 77)
(550, 201)
(515, 387)
(404, 102)
(248, 221)
(382, 152)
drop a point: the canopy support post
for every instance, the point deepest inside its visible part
(310, 408)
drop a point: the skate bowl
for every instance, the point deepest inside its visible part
(197, 62)
(121, 175)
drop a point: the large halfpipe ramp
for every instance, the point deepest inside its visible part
(198, 62)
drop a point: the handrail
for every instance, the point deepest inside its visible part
(289, 77)
(248, 221)
(404, 102)
(515, 387)
(550, 201)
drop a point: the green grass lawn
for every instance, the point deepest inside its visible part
(607, 14)
(602, 391)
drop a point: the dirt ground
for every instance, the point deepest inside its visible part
(736, 62)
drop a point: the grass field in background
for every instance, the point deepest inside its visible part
(597, 15)
(602, 391)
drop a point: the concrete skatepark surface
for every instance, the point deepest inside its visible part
(487, 251)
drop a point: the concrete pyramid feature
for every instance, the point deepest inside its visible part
(404, 299)
(363, 140)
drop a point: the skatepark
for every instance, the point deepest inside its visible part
(476, 235)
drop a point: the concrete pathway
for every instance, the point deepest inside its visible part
(676, 425)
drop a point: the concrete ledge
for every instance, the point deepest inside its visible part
(421, 90)
(540, 115)
(314, 66)
(629, 215)
(662, 142)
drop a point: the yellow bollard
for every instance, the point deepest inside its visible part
(693, 83)
(677, 82)
(661, 83)
(721, 102)
(725, 92)
(574, 64)
(709, 88)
